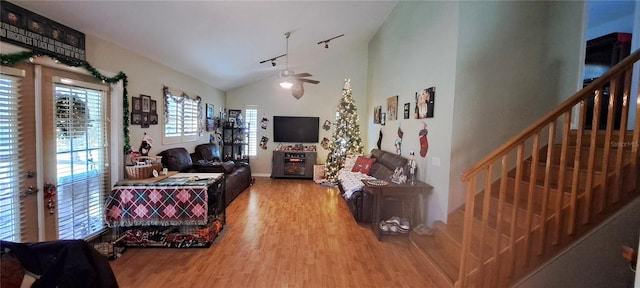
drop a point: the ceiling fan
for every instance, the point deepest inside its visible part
(290, 80)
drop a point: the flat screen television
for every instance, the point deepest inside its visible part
(296, 129)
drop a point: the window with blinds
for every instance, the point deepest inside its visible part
(181, 122)
(251, 113)
(190, 114)
(10, 164)
(173, 122)
(81, 159)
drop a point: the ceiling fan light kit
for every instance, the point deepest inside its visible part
(289, 80)
(286, 84)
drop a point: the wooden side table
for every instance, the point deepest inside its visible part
(405, 192)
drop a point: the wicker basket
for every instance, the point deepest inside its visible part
(136, 172)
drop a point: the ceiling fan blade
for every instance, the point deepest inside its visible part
(309, 81)
(305, 74)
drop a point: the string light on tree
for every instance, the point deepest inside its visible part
(346, 137)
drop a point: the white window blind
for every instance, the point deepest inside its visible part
(181, 122)
(173, 123)
(10, 163)
(81, 159)
(251, 113)
(190, 113)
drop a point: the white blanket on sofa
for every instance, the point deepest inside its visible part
(351, 181)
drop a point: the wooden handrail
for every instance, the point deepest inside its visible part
(569, 179)
(551, 116)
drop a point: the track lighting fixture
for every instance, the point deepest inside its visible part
(272, 60)
(326, 42)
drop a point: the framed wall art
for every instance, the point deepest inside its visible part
(425, 103)
(406, 110)
(392, 108)
(144, 123)
(146, 103)
(136, 106)
(153, 119)
(209, 111)
(233, 114)
(383, 119)
(153, 109)
(376, 114)
(136, 118)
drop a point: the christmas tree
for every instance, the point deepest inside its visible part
(346, 135)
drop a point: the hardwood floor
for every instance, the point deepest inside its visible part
(281, 233)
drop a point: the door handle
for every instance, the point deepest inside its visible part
(31, 190)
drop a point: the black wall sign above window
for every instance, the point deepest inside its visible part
(24, 28)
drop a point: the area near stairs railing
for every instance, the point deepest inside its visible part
(581, 165)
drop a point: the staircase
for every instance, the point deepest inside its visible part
(542, 190)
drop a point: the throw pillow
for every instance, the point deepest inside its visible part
(350, 160)
(363, 165)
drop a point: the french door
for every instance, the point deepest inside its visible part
(62, 145)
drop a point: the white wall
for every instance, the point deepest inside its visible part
(147, 77)
(497, 67)
(515, 61)
(414, 50)
(319, 100)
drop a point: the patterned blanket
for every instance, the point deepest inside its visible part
(351, 181)
(173, 201)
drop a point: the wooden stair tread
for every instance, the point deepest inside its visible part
(431, 249)
(454, 233)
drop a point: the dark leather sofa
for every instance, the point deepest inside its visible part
(205, 159)
(361, 202)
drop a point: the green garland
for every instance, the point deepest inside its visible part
(15, 58)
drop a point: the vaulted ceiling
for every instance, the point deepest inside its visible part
(222, 42)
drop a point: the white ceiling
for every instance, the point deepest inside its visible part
(222, 42)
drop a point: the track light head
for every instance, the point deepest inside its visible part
(326, 42)
(273, 63)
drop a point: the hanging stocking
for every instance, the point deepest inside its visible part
(379, 144)
(424, 142)
(263, 142)
(264, 122)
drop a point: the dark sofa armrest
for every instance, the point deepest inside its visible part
(176, 159)
(194, 158)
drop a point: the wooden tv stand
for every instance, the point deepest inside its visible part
(293, 164)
